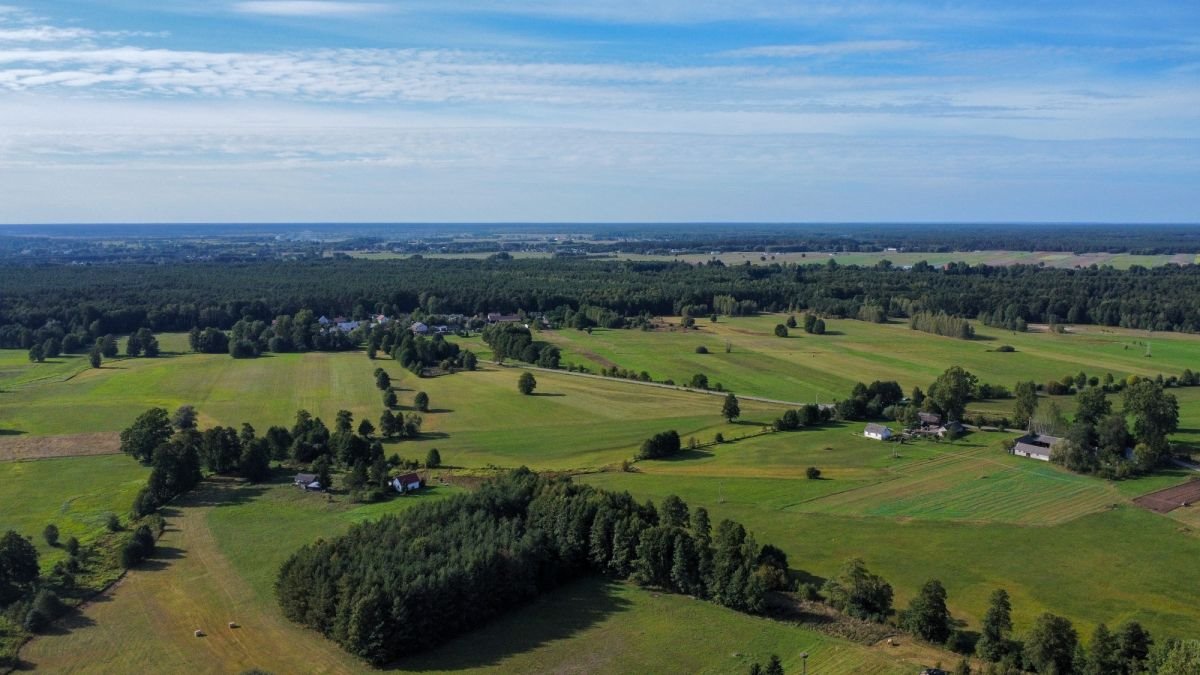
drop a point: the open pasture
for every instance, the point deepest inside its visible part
(217, 563)
(72, 493)
(477, 418)
(806, 368)
(1140, 556)
(975, 480)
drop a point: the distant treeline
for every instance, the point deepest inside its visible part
(402, 584)
(95, 301)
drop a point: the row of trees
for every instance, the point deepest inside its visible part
(941, 323)
(404, 583)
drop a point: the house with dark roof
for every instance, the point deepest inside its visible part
(406, 482)
(878, 432)
(929, 419)
(1035, 446)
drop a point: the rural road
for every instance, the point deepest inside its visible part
(710, 392)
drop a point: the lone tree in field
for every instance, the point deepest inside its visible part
(927, 615)
(730, 410)
(781, 330)
(94, 357)
(421, 401)
(382, 379)
(50, 534)
(526, 383)
(389, 398)
(812, 473)
(434, 459)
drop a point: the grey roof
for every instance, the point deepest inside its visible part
(875, 429)
(930, 418)
(306, 478)
(1031, 449)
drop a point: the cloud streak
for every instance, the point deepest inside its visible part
(825, 50)
(309, 8)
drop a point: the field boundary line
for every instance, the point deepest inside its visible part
(660, 385)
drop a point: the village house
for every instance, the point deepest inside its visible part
(406, 482)
(347, 326)
(419, 328)
(878, 432)
(324, 320)
(307, 481)
(495, 317)
(1035, 446)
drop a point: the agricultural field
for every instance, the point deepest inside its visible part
(964, 512)
(806, 368)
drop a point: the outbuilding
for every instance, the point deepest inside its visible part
(878, 432)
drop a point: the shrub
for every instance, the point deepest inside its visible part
(701, 349)
(50, 534)
(112, 522)
(1006, 349)
(812, 473)
(719, 438)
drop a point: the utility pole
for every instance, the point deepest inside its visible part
(804, 662)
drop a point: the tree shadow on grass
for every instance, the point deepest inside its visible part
(11, 432)
(685, 455)
(222, 493)
(557, 615)
(546, 393)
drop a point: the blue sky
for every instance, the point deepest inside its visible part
(536, 110)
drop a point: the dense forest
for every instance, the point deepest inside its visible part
(38, 303)
(402, 584)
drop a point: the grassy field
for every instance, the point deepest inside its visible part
(964, 512)
(73, 493)
(806, 368)
(217, 563)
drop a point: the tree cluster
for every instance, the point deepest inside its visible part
(402, 584)
(510, 340)
(663, 444)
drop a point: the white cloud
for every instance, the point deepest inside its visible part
(824, 49)
(308, 8)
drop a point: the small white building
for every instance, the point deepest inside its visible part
(878, 432)
(406, 482)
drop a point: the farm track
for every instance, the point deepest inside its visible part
(188, 586)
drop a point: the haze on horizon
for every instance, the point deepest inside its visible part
(594, 111)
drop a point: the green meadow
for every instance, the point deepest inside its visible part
(805, 368)
(964, 512)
